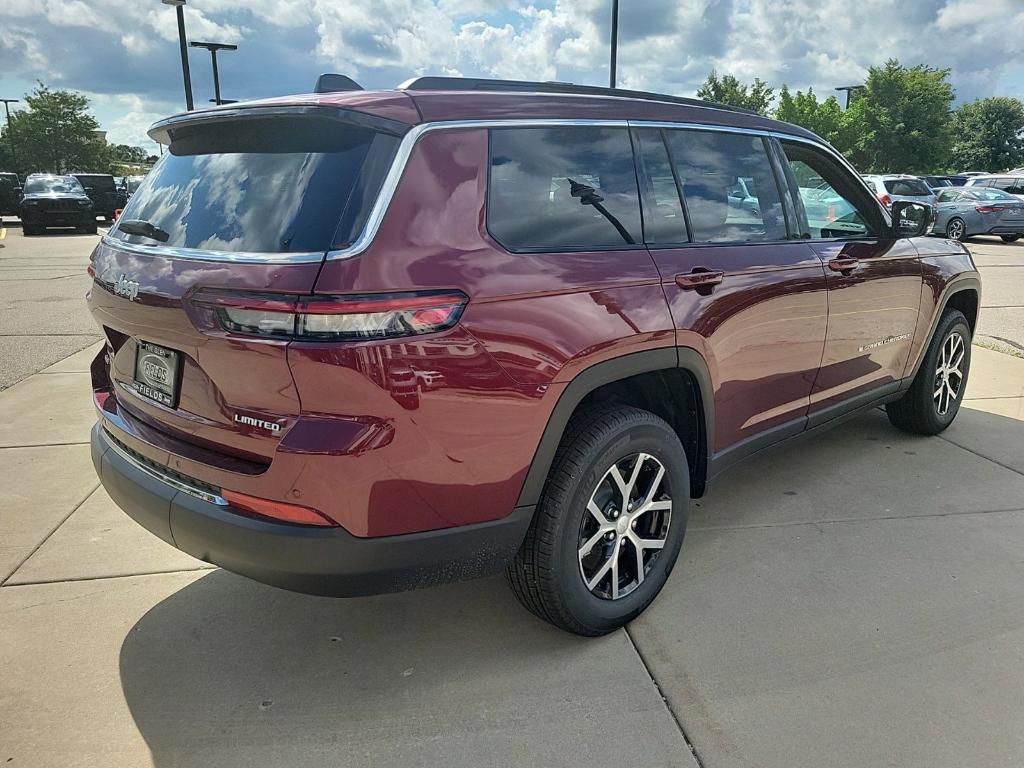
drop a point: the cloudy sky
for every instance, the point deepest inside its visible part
(123, 53)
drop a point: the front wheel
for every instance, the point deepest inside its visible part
(956, 229)
(1009, 238)
(609, 525)
(934, 397)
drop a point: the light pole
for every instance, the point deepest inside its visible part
(10, 130)
(615, 43)
(213, 48)
(179, 7)
(850, 89)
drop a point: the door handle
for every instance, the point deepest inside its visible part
(700, 277)
(844, 264)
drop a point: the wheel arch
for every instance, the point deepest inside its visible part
(962, 293)
(637, 379)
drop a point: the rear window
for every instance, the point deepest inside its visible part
(907, 187)
(99, 183)
(555, 189)
(277, 185)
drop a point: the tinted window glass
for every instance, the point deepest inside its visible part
(988, 194)
(907, 187)
(947, 196)
(98, 182)
(663, 213)
(728, 186)
(562, 188)
(273, 186)
(836, 204)
(1004, 183)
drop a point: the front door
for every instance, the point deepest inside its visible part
(874, 282)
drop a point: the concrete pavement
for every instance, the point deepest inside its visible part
(853, 600)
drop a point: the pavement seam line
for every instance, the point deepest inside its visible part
(664, 698)
(42, 445)
(836, 521)
(109, 577)
(53, 530)
(982, 456)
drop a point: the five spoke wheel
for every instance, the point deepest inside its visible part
(627, 525)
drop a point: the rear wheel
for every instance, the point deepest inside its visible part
(1009, 238)
(609, 525)
(956, 229)
(934, 398)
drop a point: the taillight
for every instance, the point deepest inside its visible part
(886, 200)
(335, 318)
(986, 209)
(276, 510)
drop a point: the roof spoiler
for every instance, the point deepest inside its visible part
(330, 82)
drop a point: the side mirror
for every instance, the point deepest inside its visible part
(88, 190)
(911, 219)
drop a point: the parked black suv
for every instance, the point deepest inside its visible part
(104, 193)
(55, 201)
(10, 191)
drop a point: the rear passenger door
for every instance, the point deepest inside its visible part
(742, 292)
(874, 281)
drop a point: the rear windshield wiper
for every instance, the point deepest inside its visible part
(144, 228)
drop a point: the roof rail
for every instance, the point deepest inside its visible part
(330, 82)
(551, 86)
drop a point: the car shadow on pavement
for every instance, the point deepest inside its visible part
(230, 672)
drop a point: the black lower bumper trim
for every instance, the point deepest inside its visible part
(320, 561)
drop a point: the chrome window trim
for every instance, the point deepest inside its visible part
(397, 170)
(174, 482)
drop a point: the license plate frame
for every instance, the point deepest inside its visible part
(157, 373)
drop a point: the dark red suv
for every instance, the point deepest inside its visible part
(369, 341)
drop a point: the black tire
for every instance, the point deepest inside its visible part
(956, 229)
(1009, 238)
(917, 411)
(28, 230)
(547, 575)
(91, 229)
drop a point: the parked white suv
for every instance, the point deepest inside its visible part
(891, 187)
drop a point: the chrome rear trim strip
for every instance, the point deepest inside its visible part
(174, 482)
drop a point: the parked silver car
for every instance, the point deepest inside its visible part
(899, 186)
(961, 212)
(1011, 182)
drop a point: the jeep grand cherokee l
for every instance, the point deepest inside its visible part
(603, 333)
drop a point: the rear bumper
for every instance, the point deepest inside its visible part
(321, 561)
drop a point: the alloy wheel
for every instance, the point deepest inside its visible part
(625, 527)
(955, 230)
(949, 374)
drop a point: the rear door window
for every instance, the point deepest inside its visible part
(562, 189)
(729, 189)
(907, 187)
(282, 185)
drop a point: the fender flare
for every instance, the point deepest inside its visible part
(607, 372)
(967, 282)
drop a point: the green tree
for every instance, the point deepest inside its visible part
(58, 134)
(988, 135)
(825, 118)
(900, 121)
(728, 90)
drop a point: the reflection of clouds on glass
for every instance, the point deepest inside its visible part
(247, 201)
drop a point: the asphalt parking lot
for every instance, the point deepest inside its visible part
(853, 600)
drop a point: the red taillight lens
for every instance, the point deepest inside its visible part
(335, 318)
(276, 510)
(986, 209)
(886, 200)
